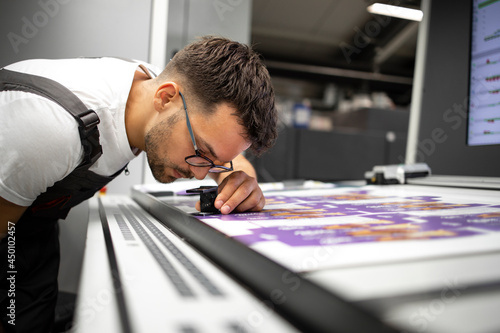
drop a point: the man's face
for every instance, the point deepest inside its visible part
(218, 137)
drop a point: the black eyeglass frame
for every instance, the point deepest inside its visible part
(214, 168)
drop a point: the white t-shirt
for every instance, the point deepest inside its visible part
(39, 140)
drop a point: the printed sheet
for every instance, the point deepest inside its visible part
(312, 229)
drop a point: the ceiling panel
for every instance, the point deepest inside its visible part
(296, 16)
(334, 33)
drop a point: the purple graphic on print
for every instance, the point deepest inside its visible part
(385, 227)
(345, 204)
(382, 218)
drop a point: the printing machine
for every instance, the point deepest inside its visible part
(151, 265)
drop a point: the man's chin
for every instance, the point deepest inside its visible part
(164, 179)
(169, 180)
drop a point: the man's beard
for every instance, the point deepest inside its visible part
(159, 135)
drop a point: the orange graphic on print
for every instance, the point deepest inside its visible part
(300, 213)
(353, 196)
(389, 231)
(433, 205)
(487, 215)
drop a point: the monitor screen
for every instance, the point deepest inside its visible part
(484, 84)
(443, 141)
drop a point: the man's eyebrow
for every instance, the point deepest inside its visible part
(210, 149)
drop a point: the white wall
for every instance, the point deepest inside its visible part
(189, 19)
(72, 28)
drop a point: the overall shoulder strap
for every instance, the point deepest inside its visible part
(54, 91)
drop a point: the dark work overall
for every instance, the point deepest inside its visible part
(36, 234)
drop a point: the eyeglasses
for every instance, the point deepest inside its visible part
(199, 160)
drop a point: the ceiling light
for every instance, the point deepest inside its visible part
(396, 11)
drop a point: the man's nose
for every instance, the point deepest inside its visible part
(199, 172)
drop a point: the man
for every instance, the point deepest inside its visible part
(213, 101)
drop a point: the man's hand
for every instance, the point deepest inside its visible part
(239, 192)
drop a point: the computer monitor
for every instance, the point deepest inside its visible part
(484, 89)
(444, 117)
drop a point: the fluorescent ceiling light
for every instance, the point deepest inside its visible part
(396, 11)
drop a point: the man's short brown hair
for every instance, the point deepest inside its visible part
(216, 70)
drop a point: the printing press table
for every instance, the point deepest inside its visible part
(319, 258)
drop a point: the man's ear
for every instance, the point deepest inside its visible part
(165, 93)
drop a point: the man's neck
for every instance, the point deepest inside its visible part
(138, 104)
